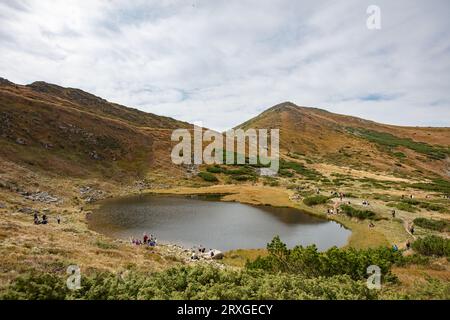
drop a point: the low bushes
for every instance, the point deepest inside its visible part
(215, 169)
(309, 174)
(404, 206)
(356, 213)
(197, 282)
(207, 176)
(432, 246)
(309, 262)
(438, 225)
(315, 200)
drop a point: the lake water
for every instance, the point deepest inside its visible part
(190, 221)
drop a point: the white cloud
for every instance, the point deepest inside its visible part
(224, 61)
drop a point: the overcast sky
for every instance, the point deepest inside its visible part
(222, 62)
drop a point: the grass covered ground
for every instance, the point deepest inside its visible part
(40, 254)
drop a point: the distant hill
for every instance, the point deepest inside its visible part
(322, 136)
(70, 133)
(73, 133)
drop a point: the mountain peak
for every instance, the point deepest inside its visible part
(5, 82)
(287, 105)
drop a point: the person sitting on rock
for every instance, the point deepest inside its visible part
(44, 219)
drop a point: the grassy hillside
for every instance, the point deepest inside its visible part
(62, 149)
(322, 136)
(72, 133)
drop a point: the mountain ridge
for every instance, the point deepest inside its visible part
(73, 127)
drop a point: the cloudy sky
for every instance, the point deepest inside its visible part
(222, 62)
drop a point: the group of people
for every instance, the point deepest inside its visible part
(44, 219)
(340, 195)
(201, 250)
(333, 211)
(146, 240)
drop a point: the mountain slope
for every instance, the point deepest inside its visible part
(323, 136)
(69, 132)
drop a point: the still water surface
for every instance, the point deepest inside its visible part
(190, 221)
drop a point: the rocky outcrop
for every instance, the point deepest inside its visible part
(90, 194)
(43, 196)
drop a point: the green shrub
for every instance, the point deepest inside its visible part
(286, 173)
(310, 174)
(215, 169)
(197, 282)
(356, 213)
(402, 206)
(207, 176)
(432, 246)
(432, 207)
(315, 200)
(390, 141)
(438, 185)
(243, 177)
(438, 225)
(399, 155)
(36, 286)
(309, 262)
(270, 181)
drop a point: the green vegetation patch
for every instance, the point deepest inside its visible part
(432, 246)
(315, 200)
(190, 283)
(438, 225)
(309, 262)
(390, 141)
(438, 185)
(309, 174)
(404, 206)
(207, 176)
(215, 169)
(356, 213)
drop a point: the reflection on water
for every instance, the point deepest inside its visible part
(213, 224)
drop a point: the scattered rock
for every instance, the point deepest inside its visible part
(144, 184)
(21, 141)
(218, 255)
(41, 197)
(89, 194)
(2, 205)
